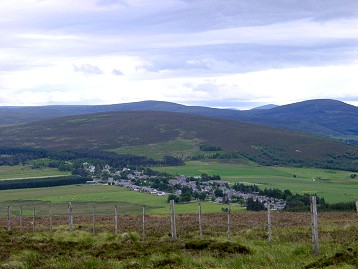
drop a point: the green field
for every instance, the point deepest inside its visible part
(104, 196)
(20, 171)
(334, 185)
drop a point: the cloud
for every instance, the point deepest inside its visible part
(88, 69)
(178, 50)
(116, 72)
(111, 2)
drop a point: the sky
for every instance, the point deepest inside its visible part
(219, 53)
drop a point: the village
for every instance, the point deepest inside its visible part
(181, 188)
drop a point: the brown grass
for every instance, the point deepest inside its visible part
(250, 225)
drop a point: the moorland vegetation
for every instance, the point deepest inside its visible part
(131, 129)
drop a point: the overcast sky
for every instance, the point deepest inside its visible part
(220, 53)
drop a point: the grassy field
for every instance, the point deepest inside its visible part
(333, 185)
(20, 171)
(105, 197)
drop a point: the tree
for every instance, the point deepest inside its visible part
(202, 196)
(105, 175)
(254, 205)
(219, 193)
(173, 197)
(184, 198)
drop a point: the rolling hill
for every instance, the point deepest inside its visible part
(113, 130)
(25, 114)
(321, 117)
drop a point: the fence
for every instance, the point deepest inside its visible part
(120, 218)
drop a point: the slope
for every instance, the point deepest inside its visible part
(20, 115)
(323, 117)
(111, 130)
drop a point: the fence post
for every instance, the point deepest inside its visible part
(70, 217)
(21, 227)
(357, 205)
(229, 222)
(143, 223)
(116, 219)
(9, 217)
(314, 225)
(51, 230)
(269, 226)
(200, 223)
(33, 219)
(94, 219)
(172, 219)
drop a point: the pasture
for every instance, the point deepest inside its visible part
(334, 185)
(105, 197)
(25, 171)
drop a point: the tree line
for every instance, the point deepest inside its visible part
(42, 182)
(16, 156)
(294, 202)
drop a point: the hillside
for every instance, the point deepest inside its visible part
(112, 130)
(20, 115)
(323, 117)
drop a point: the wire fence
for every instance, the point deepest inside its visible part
(97, 218)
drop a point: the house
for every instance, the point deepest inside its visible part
(107, 167)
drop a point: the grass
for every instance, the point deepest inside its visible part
(105, 197)
(177, 147)
(20, 171)
(334, 185)
(248, 247)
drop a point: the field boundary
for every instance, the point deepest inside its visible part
(266, 226)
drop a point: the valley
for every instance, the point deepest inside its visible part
(208, 154)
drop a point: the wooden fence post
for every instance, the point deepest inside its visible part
(315, 243)
(116, 219)
(172, 218)
(229, 222)
(143, 223)
(21, 227)
(9, 217)
(94, 219)
(33, 219)
(51, 229)
(200, 223)
(357, 205)
(269, 226)
(70, 217)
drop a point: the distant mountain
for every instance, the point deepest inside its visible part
(322, 116)
(269, 106)
(112, 130)
(23, 114)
